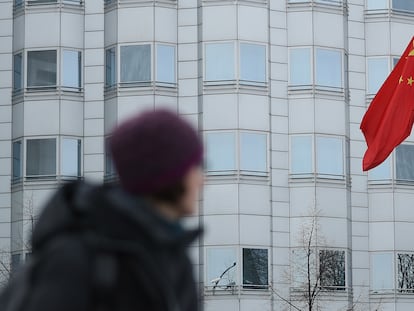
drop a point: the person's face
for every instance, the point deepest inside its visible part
(193, 181)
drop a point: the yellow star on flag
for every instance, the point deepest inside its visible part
(410, 81)
(401, 80)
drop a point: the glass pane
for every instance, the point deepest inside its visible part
(404, 161)
(17, 160)
(382, 272)
(136, 63)
(377, 4)
(382, 171)
(221, 267)
(221, 151)
(41, 157)
(18, 2)
(300, 66)
(17, 70)
(332, 269)
(70, 155)
(252, 62)
(255, 267)
(41, 68)
(329, 156)
(377, 73)
(166, 63)
(219, 64)
(15, 262)
(328, 68)
(301, 155)
(405, 273)
(299, 266)
(71, 69)
(253, 152)
(110, 69)
(395, 61)
(403, 5)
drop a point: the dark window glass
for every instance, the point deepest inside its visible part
(110, 70)
(17, 70)
(41, 158)
(255, 268)
(332, 269)
(136, 63)
(405, 272)
(17, 160)
(41, 68)
(403, 5)
(405, 162)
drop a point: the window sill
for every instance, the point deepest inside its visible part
(235, 86)
(142, 88)
(236, 177)
(47, 93)
(336, 7)
(390, 184)
(137, 3)
(254, 2)
(72, 6)
(387, 14)
(237, 290)
(318, 178)
(316, 91)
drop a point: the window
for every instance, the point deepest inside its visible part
(382, 275)
(301, 155)
(219, 62)
(18, 3)
(328, 67)
(17, 160)
(329, 156)
(300, 270)
(255, 268)
(110, 68)
(15, 262)
(71, 69)
(395, 61)
(404, 162)
(221, 152)
(382, 171)
(332, 269)
(41, 158)
(17, 72)
(70, 157)
(110, 171)
(377, 4)
(221, 268)
(252, 62)
(166, 64)
(405, 273)
(135, 63)
(253, 152)
(41, 68)
(300, 66)
(403, 5)
(377, 73)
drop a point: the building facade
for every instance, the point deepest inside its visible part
(277, 89)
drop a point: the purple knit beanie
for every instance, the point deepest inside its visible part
(154, 150)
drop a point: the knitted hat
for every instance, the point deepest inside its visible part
(154, 150)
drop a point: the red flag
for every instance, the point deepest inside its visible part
(389, 118)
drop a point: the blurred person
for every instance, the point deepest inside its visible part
(120, 247)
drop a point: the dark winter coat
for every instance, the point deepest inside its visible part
(150, 271)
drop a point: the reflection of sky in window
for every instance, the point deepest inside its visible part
(382, 171)
(165, 63)
(403, 5)
(300, 68)
(301, 153)
(253, 152)
(377, 4)
(218, 260)
(221, 153)
(329, 156)
(252, 62)
(382, 271)
(219, 61)
(328, 68)
(377, 73)
(71, 69)
(70, 157)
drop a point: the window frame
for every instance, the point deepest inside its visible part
(208, 284)
(47, 87)
(237, 144)
(115, 69)
(236, 64)
(21, 159)
(372, 273)
(333, 288)
(314, 153)
(22, 71)
(399, 290)
(314, 69)
(28, 177)
(62, 72)
(254, 287)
